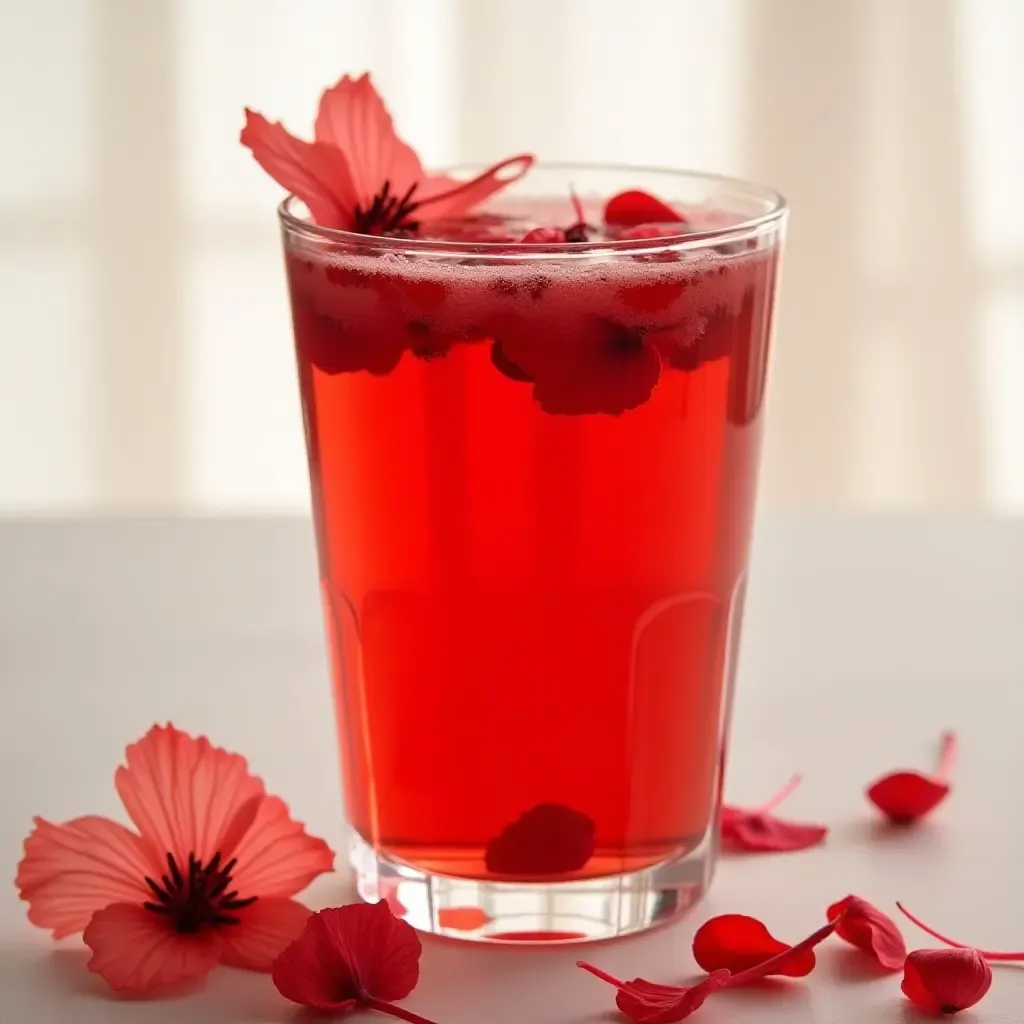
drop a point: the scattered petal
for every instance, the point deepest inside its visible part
(867, 928)
(757, 830)
(988, 954)
(634, 208)
(70, 871)
(736, 942)
(945, 980)
(348, 956)
(549, 839)
(265, 930)
(650, 1003)
(905, 796)
(136, 951)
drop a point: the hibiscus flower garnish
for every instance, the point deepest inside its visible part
(358, 175)
(207, 878)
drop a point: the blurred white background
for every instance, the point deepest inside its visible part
(145, 355)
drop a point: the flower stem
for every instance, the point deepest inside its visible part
(947, 755)
(760, 970)
(381, 1006)
(783, 794)
(598, 973)
(988, 954)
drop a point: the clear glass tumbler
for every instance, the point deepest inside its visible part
(533, 473)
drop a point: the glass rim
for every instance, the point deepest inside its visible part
(775, 214)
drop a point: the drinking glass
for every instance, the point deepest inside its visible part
(533, 474)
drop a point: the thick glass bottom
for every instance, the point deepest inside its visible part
(565, 912)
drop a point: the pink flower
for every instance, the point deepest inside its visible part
(358, 174)
(207, 879)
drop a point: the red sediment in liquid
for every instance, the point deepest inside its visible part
(525, 607)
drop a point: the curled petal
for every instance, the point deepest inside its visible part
(757, 832)
(135, 950)
(442, 196)
(945, 980)
(70, 871)
(867, 928)
(353, 120)
(318, 174)
(187, 796)
(265, 930)
(903, 797)
(276, 856)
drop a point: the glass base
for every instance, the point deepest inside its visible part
(566, 912)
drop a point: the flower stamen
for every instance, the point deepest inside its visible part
(199, 898)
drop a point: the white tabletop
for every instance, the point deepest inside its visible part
(865, 637)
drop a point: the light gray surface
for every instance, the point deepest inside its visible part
(864, 638)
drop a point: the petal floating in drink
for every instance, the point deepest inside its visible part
(597, 366)
(358, 174)
(634, 207)
(549, 839)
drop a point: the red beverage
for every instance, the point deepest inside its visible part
(533, 483)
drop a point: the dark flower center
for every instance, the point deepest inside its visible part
(388, 214)
(197, 897)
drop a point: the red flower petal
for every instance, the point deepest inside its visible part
(186, 796)
(548, 839)
(757, 830)
(353, 120)
(264, 931)
(316, 173)
(736, 943)
(349, 955)
(945, 980)
(633, 208)
(648, 1003)
(867, 928)
(71, 871)
(905, 796)
(440, 196)
(137, 951)
(276, 856)
(596, 366)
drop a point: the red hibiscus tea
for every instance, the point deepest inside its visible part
(533, 472)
